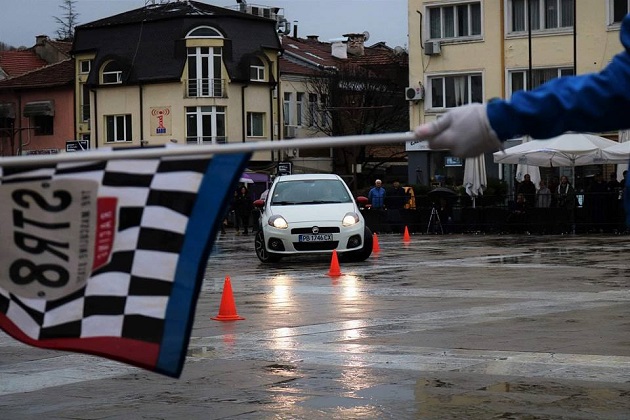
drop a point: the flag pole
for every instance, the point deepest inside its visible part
(171, 150)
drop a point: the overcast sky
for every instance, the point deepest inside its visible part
(385, 20)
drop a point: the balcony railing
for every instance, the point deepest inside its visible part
(205, 88)
(206, 140)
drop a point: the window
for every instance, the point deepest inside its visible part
(85, 103)
(456, 90)
(455, 21)
(257, 70)
(118, 128)
(204, 72)
(85, 66)
(287, 108)
(255, 124)
(618, 10)
(299, 107)
(312, 109)
(43, 125)
(204, 32)
(205, 124)
(545, 14)
(518, 78)
(112, 73)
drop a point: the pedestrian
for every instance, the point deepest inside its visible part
(395, 200)
(376, 195)
(594, 102)
(243, 205)
(528, 189)
(376, 198)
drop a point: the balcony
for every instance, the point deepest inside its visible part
(206, 140)
(205, 88)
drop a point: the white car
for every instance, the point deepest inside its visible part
(311, 214)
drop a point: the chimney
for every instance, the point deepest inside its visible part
(312, 37)
(295, 29)
(356, 44)
(40, 39)
(339, 48)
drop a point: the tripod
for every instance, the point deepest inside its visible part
(435, 218)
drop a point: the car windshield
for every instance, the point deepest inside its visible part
(311, 191)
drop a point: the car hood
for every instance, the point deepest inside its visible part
(314, 212)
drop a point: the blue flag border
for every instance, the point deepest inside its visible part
(221, 177)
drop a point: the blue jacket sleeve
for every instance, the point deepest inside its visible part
(587, 103)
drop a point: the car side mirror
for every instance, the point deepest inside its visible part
(259, 203)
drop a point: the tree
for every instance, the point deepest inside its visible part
(356, 99)
(67, 21)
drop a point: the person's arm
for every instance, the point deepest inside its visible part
(591, 103)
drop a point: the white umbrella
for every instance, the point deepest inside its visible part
(618, 153)
(624, 136)
(475, 180)
(570, 149)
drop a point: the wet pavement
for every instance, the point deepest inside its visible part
(443, 327)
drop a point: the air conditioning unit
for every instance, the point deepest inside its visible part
(414, 93)
(292, 153)
(432, 48)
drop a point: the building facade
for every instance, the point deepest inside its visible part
(181, 72)
(472, 51)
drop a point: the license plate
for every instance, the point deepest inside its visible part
(315, 238)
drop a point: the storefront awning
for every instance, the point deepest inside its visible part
(39, 108)
(7, 110)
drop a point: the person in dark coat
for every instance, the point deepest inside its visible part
(395, 199)
(528, 189)
(243, 206)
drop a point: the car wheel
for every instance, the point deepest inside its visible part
(261, 250)
(365, 251)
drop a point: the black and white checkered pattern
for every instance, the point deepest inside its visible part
(128, 296)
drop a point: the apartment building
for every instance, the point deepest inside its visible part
(181, 72)
(472, 51)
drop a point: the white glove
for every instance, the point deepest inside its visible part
(464, 130)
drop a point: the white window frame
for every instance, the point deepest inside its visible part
(299, 108)
(457, 9)
(538, 77)
(198, 115)
(204, 72)
(111, 77)
(85, 66)
(538, 11)
(444, 80)
(255, 124)
(611, 11)
(286, 108)
(114, 123)
(257, 70)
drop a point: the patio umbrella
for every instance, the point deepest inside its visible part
(475, 179)
(618, 153)
(570, 149)
(442, 192)
(624, 136)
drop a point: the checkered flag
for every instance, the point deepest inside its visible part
(107, 257)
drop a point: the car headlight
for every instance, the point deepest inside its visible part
(350, 219)
(278, 222)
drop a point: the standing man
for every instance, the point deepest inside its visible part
(396, 198)
(376, 197)
(528, 189)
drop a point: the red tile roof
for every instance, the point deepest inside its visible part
(57, 74)
(17, 62)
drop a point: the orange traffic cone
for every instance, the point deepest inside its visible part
(227, 310)
(406, 237)
(375, 246)
(334, 265)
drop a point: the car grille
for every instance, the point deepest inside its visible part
(315, 246)
(309, 230)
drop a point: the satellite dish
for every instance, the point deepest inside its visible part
(366, 35)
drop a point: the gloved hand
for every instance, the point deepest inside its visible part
(464, 130)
